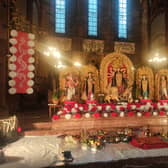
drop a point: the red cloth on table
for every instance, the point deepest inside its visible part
(149, 143)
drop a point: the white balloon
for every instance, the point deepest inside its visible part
(12, 58)
(31, 36)
(31, 43)
(12, 74)
(29, 91)
(13, 50)
(12, 91)
(31, 60)
(13, 33)
(13, 41)
(31, 51)
(12, 83)
(30, 75)
(30, 82)
(12, 67)
(31, 67)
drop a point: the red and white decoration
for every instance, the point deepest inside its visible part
(105, 110)
(21, 62)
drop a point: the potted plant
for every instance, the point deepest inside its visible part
(55, 97)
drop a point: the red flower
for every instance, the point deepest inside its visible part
(121, 108)
(162, 113)
(55, 117)
(113, 114)
(113, 106)
(19, 129)
(77, 115)
(96, 115)
(147, 114)
(130, 114)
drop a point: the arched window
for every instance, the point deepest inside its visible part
(92, 17)
(122, 18)
(60, 13)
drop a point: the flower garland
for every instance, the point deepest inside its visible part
(104, 110)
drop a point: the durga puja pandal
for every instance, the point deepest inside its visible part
(117, 97)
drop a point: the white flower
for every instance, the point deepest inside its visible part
(31, 67)
(13, 41)
(108, 107)
(12, 90)
(99, 108)
(105, 115)
(155, 113)
(73, 110)
(122, 114)
(31, 51)
(67, 116)
(12, 67)
(81, 108)
(29, 91)
(13, 50)
(30, 82)
(139, 114)
(13, 33)
(31, 36)
(87, 115)
(133, 107)
(12, 83)
(12, 58)
(12, 74)
(31, 43)
(30, 75)
(31, 60)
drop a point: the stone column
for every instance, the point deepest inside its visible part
(145, 29)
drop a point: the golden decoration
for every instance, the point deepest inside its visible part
(162, 72)
(81, 73)
(145, 71)
(117, 60)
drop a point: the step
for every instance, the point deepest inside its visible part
(36, 125)
(40, 132)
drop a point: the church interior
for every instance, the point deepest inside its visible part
(83, 83)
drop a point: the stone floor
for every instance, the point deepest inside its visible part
(46, 151)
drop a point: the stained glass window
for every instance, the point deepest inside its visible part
(122, 18)
(60, 16)
(92, 17)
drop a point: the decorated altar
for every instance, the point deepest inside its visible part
(114, 96)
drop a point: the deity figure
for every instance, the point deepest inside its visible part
(110, 77)
(70, 86)
(163, 87)
(89, 86)
(144, 87)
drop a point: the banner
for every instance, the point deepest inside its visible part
(20, 63)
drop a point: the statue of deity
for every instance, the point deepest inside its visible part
(89, 86)
(144, 87)
(70, 86)
(163, 87)
(110, 77)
